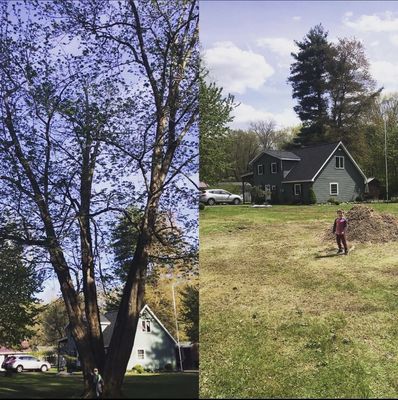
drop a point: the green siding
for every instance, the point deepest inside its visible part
(351, 182)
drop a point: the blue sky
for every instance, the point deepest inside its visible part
(247, 44)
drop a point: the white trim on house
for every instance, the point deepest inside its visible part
(258, 169)
(330, 188)
(276, 168)
(296, 185)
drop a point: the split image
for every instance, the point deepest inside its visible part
(298, 282)
(198, 199)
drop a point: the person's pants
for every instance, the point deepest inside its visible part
(341, 239)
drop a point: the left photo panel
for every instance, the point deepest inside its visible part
(99, 159)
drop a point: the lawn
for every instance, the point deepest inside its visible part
(280, 319)
(34, 385)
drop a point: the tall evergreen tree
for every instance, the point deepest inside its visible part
(308, 76)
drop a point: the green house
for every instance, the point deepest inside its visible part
(288, 176)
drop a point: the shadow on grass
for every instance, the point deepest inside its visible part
(151, 386)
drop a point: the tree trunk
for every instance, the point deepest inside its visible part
(123, 336)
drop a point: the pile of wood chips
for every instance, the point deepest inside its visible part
(367, 225)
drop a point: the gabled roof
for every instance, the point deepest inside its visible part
(104, 320)
(313, 159)
(112, 315)
(280, 154)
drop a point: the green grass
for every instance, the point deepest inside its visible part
(32, 385)
(278, 319)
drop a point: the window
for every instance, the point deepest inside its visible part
(146, 326)
(297, 189)
(273, 188)
(274, 168)
(334, 189)
(260, 169)
(339, 162)
(141, 354)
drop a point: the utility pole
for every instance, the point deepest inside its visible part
(385, 151)
(178, 335)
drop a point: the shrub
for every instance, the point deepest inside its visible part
(139, 369)
(257, 195)
(201, 206)
(312, 196)
(168, 367)
(333, 201)
(359, 198)
(71, 362)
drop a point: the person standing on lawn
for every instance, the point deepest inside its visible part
(98, 383)
(340, 228)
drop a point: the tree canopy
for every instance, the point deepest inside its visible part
(19, 284)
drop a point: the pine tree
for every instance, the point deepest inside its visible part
(308, 76)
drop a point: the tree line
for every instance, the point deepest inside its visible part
(336, 98)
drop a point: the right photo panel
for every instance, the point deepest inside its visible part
(299, 199)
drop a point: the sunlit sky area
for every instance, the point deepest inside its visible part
(247, 45)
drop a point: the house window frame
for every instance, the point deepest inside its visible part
(276, 168)
(141, 354)
(146, 325)
(337, 188)
(341, 164)
(258, 169)
(273, 188)
(296, 185)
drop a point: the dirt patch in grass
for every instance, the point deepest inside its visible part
(367, 225)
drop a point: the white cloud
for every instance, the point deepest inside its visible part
(374, 43)
(237, 70)
(386, 74)
(279, 45)
(394, 40)
(383, 22)
(245, 113)
(296, 18)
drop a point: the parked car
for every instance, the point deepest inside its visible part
(213, 196)
(21, 363)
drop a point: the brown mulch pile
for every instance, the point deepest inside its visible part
(367, 225)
